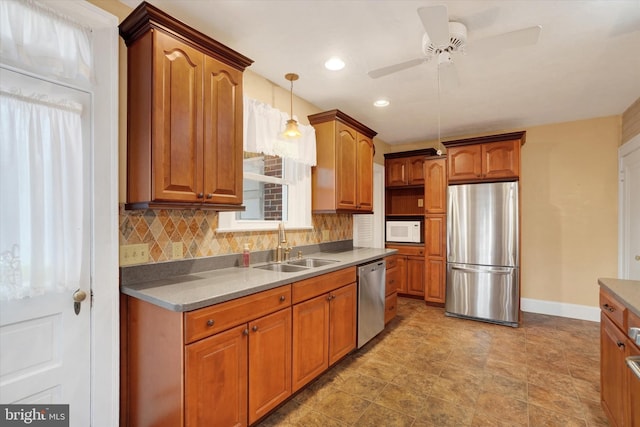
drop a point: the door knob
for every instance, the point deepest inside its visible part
(637, 257)
(78, 296)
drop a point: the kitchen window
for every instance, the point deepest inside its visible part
(277, 173)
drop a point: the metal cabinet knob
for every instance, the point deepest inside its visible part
(209, 195)
(609, 308)
(245, 332)
(255, 328)
(210, 322)
(282, 298)
(200, 195)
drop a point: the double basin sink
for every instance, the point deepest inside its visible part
(296, 265)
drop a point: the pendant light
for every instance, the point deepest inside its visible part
(291, 131)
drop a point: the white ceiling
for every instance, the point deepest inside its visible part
(586, 63)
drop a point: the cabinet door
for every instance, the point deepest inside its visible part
(435, 289)
(310, 340)
(269, 362)
(345, 167)
(613, 370)
(435, 235)
(395, 172)
(402, 274)
(435, 188)
(216, 380)
(342, 318)
(222, 133)
(416, 170)
(177, 121)
(501, 159)
(465, 163)
(364, 174)
(415, 275)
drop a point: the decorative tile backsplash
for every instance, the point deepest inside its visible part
(196, 230)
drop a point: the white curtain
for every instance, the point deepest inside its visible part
(41, 194)
(263, 127)
(36, 38)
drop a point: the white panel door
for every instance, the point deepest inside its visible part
(630, 210)
(45, 347)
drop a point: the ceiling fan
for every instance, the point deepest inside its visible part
(444, 38)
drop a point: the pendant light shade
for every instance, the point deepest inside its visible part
(291, 131)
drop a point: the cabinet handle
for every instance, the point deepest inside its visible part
(209, 195)
(620, 344)
(609, 308)
(330, 297)
(255, 328)
(245, 332)
(200, 195)
(210, 322)
(282, 298)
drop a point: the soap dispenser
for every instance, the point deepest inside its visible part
(245, 255)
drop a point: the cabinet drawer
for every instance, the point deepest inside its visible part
(613, 309)
(309, 288)
(390, 307)
(392, 280)
(408, 250)
(207, 321)
(392, 262)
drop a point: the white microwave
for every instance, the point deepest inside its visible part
(404, 231)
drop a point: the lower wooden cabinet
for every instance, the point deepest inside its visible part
(391, 289)
(324, 323)
(620, 388)
(410, 265)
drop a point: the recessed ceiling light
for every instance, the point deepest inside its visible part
(334, 64)
(381, 103)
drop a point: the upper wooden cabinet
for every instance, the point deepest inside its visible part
(342, 180)
(403, 171)
(435, 187)
(184, 145)
(491, 158)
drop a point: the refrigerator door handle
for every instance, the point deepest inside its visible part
(478, 270)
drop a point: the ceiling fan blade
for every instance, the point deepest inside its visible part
(448, 76)
(435, 20)
(519, 38)
(384, 71)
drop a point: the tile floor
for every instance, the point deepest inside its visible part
(426, 369)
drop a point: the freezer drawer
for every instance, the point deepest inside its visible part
(484, 293)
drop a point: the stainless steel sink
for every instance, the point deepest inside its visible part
(312, 262)
(285, 268)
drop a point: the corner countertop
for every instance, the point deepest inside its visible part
(627, 291)
(192, 291)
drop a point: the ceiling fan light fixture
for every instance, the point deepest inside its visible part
(380, 103)
(334, 64)
(291, 130)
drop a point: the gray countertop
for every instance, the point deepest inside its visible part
(627, 291)
(192, 291)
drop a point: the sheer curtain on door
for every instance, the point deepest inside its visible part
(41, 195)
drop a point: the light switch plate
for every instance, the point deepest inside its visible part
(134, 254)
(420, 203)
(177, 250)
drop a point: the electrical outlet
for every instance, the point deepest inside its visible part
(420, 203)
(177, 250)
(134, 254)
(325, 234)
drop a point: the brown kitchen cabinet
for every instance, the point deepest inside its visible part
(184, 143)
(435, 190)
(490, 158)
(403, 171)
(391, 289)
(207, 367)
(411, 269)
(342, 180)
(436, 252)
(324, 323)
(620, 388)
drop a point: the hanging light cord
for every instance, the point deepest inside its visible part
(291, 92)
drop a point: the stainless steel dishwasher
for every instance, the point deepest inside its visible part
(371, 289)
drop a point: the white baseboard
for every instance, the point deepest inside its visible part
(562, 309)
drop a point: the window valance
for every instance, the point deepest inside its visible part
(263, 126)
(37, 38)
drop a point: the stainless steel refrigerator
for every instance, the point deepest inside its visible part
(483, 252)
